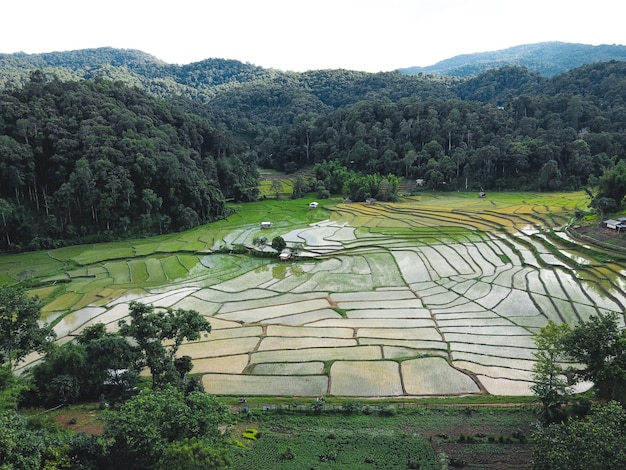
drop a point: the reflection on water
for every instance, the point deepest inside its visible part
(283, 270)
(528, 230)
(74, 319)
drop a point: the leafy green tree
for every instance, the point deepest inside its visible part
(276, 187)
(146, 425)
(108, 367)
(11, 387)
(604, 205)
(600, 346)
(551, 385)
(6, 213)
(20, 332)
(279, 243)
(193, 454)
(612, 183)
(62, 376)
(596, 442)
(300, 187)
(159, 332)
(21, 447)
(549, 177)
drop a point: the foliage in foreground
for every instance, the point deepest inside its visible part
(597, 346)
(150, 327)
(20, 332)
(597, 441)
(143, 429)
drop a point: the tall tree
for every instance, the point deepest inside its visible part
(612, 183)
(147, 424)
(159, 332)
(551, 385)
(599, 344)
(20, 332)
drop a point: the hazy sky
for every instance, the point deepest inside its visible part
(369, 35)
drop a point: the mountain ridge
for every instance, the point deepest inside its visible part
(546, 58)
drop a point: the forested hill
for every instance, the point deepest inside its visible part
(105, 143)
(545, 58)
(96, 159)
(135, 68)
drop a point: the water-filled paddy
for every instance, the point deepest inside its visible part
(434, 295)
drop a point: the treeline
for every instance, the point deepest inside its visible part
(506, 129)
(97, 159)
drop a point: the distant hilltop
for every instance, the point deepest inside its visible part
(546, 58)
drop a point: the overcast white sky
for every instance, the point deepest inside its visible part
(368, 35)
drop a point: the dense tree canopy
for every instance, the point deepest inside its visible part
(158, 333)
(97, 158)
(145, 427)
(20, 331)
(597, 441)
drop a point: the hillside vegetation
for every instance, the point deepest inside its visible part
(104, 143)
(546, 58)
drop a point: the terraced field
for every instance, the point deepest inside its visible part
(436, 295)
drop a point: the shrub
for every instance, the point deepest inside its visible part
(351, 407)
(251, 434)
(287, 454)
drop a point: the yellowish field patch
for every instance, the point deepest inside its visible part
(495, 372)
(365, 379)
(229, 384)
(290, 368)
(64, 302)
(360, 353)
(220, 347)
(434, 376)
(428, 333)
(306, 318)
(220, 365)
(240, 332)
(390, 313)
(263, 313)
(502, 386)
(378, 322)
(283, 330)
(274, 343)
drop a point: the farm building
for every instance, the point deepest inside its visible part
(617, 225)
(285, 255)
(266, 225)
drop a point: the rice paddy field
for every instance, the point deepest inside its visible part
(436, 295)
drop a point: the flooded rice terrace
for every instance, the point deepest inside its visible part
(409, 299)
